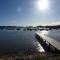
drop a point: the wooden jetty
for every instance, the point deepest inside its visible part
(50, 40)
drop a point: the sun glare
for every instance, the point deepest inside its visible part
(42, 4)
(44, 32)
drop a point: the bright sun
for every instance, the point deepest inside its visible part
(42, 4)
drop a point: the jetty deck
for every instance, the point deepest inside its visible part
(50, 40)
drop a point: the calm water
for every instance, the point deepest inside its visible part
(23, 41)
(19, 41)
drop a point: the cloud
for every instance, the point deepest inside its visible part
(56, 23)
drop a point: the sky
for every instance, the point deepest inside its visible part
(29, 12)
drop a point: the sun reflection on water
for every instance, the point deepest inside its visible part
(40, 48)
(44, 32)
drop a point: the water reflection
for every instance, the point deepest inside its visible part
(44, 32)
(39, 47)
(18, 41)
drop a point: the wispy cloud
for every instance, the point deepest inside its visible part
(56, 23)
